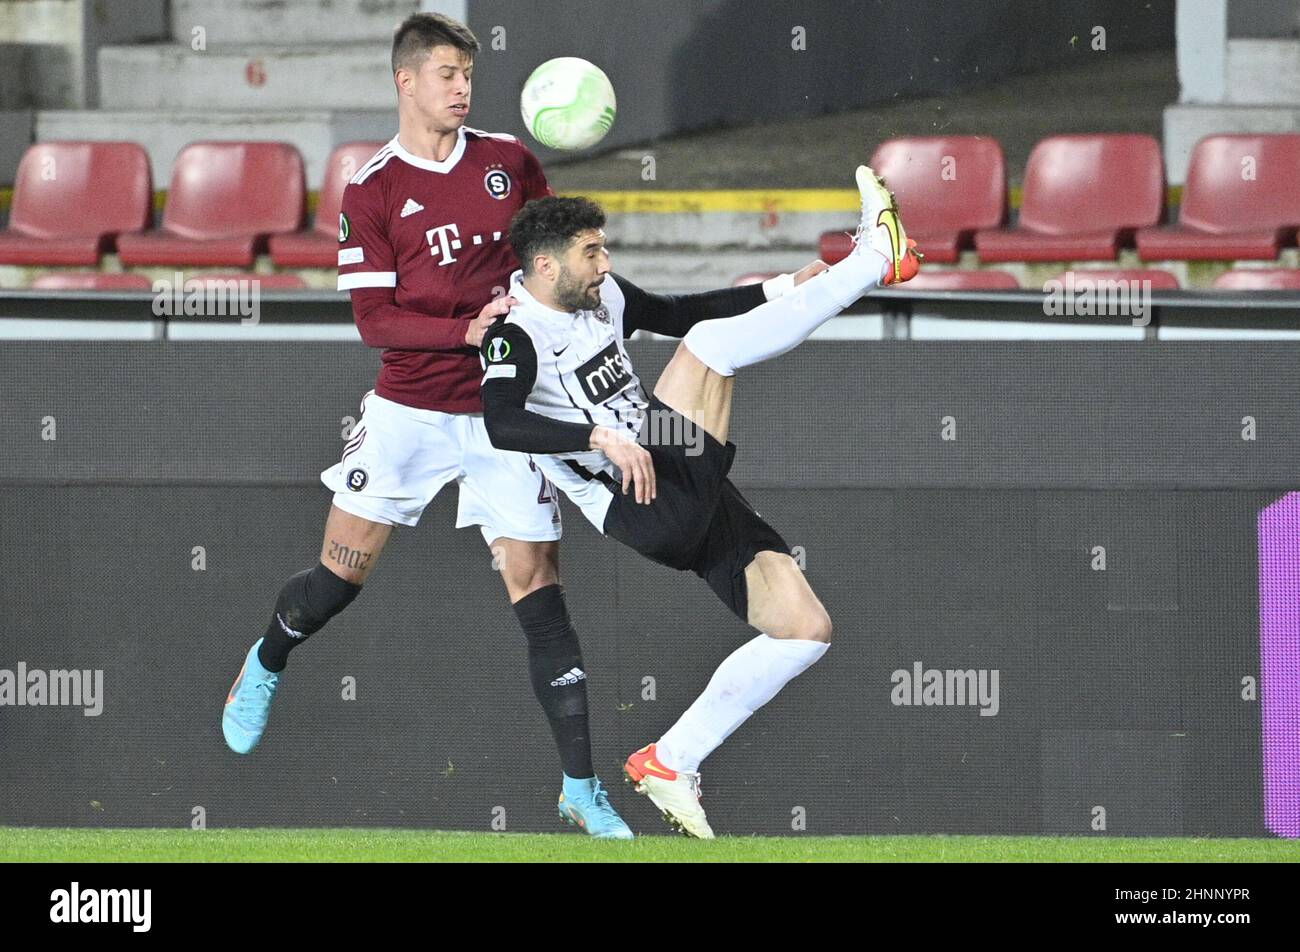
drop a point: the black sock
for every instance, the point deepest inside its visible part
(555, 669)
(307, 601)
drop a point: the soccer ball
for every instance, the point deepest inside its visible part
(568, 103)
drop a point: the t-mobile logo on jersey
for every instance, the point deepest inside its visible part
(443, 240)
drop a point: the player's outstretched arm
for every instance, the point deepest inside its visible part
(511, 361)
(674, 314)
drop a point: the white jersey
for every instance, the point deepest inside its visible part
(552, 375)
(585, 376)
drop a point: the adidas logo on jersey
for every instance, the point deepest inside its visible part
(572, 676)
(411, 207)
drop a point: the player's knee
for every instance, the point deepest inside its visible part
(311, 598)
(710, 346)
(803, 623)
(815, 625)
(527, 568)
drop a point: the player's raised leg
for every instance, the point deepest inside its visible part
(696, 381)
(307, 601)
(796, 631)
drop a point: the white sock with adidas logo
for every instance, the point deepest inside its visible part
(747, 679)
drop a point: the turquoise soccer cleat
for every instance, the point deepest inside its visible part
(249, 704)
(584, 804)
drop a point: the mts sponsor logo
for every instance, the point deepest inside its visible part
(605, 374)
(946, 687)
(77, 905)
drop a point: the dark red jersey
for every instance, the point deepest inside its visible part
(435, 234)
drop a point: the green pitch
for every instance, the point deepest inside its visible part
(276, 845)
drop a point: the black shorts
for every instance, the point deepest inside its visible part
(698, 521)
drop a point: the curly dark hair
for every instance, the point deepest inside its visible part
(547, 225)
(421, 32)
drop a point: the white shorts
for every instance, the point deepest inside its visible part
(398, 457)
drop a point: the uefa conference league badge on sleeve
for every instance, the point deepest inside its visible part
(498, 350)
(345, 228)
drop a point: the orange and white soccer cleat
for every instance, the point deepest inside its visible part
(675, 793)
(881, 230)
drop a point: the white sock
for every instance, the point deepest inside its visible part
(747, 679)
(726, 344)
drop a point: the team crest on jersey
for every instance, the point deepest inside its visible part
(345, 228)
(601, 314)
(498, 350)
(497, 182)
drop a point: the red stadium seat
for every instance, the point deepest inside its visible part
(226, 198)
(1227, 214)
(318, 248)
(1160, 280)
(91, 281)
(1084, 196)
(1259, 279)
(834, 246)
(962, 281)
(948, 187)
(72, 199)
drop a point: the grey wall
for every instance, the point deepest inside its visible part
(731, 62)
(1118, 689)
(1263, 19)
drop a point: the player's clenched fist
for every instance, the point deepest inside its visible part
(632, 459)
(490, 314)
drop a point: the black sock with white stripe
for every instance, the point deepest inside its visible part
(555, 668)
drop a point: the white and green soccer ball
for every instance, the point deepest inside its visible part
(568, 103)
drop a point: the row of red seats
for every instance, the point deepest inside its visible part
(1238, 279)
(1084, 198)
(228, 202)
(1087, 196)
(100, 281)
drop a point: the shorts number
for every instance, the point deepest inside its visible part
(547, 493)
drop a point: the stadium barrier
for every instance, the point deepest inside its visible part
(1060, 575)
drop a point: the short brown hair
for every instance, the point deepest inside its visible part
(421, 32)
